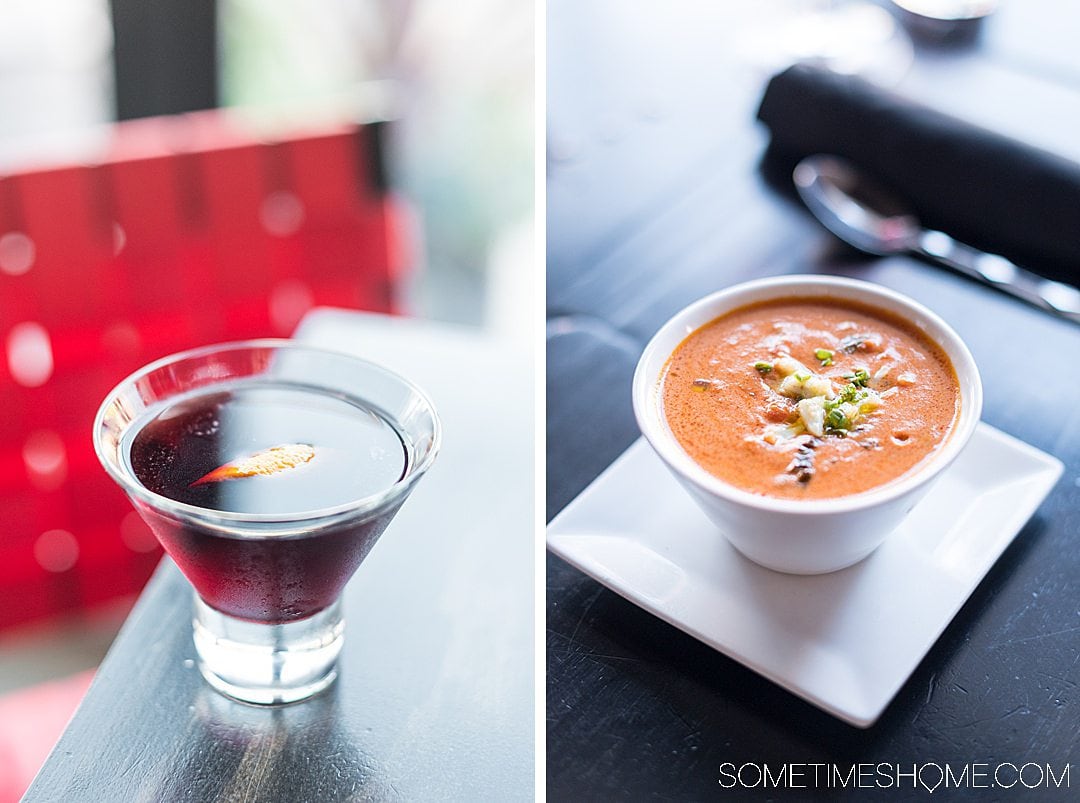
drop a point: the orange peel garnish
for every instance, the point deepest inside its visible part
(263, 463)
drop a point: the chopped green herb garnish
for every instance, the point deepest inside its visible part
(859, 379)
(847, 394)
(801, 376)
(825, 356)
(836, 421)
(763, 367)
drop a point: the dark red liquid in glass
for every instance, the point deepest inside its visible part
(254, 571)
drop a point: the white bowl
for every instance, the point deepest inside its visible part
(813, 536)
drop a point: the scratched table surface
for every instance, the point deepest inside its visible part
(434, 700)
(657, 195)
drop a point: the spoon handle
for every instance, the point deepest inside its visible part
(1002, 274)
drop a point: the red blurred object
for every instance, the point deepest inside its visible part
(189, 232)
(31, 720)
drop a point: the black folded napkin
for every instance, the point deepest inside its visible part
(984, 189)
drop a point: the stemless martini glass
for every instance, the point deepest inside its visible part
(267, 470)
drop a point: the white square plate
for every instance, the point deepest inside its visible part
(845, 641)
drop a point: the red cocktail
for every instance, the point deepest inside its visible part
(268, 471)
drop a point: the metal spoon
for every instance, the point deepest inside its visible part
(868, 218)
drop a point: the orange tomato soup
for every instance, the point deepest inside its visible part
(808, 398)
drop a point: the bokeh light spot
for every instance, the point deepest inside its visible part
(17, 253)
(29, 353)
(56, 550)
(46, 459)
(282, 213)
(135, 533)
(289, 300)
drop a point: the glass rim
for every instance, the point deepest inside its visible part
(222, 518)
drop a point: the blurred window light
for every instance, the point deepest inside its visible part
(456, 79)
(56, 78)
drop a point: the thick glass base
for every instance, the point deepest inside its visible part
(268, 664)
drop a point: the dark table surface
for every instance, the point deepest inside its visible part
(657, 195)
(435, 695)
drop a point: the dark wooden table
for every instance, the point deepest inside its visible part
(435, 695)
(656, 197)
